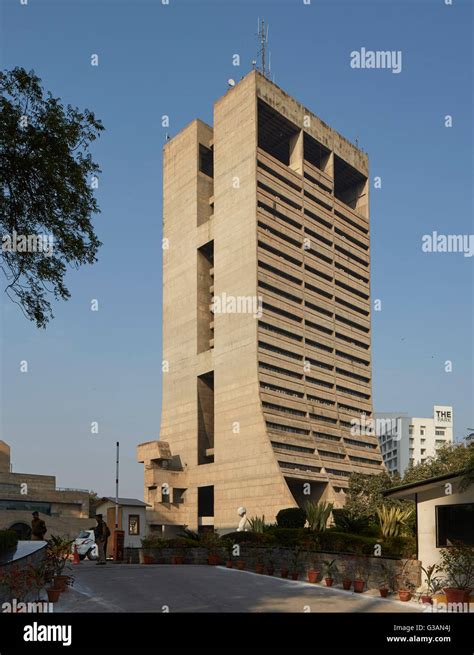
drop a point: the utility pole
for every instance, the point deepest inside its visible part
(117, 487)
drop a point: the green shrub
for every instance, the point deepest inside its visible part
(362, 525)
(401, 546)
(8, 540)
(152, 541)
(287, 536)
(292, 517)
(344, 542)
(180, 542)
(257, 538)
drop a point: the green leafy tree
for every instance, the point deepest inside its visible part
(449, 459)
(94, 501)
(365, 494)
(47, 180)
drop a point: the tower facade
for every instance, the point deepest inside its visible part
(266, 315)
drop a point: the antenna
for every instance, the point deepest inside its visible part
(262, 36)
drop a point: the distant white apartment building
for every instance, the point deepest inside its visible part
(406, 440)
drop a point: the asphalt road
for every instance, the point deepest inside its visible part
(187, 588)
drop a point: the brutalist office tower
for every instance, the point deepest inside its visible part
(266, 315)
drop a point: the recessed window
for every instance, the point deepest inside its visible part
(206, 160)
(454, 523)
(134, 524)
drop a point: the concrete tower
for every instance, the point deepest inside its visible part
(266, 314)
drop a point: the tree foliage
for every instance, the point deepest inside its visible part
(46, 189)
(365, 492)
(449, 459)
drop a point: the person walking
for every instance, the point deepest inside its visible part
(102, 533)
(38, 528)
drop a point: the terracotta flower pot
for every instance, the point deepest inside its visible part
(404, 595)
(213, 560)
(313, 575)
(259, 567)
(329, 581)
(427, 600)
(270, 570)
(383, 592)
(240, 564)
(53, 594)
(59, 582)
(148, 559)
(177, 559)
(294, 575)
(454, 595)
(346, 584)
(284, 573)
(229, 564)
(358, 586)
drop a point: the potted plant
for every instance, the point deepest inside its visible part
(16, 580)
(313, 573)
(361, 571)
(229, 548)
(270, 564)
(241, 564)
(405, 586)
(347, 573)
(294, 562)
(329, 571)
(210, 541)
(406, 590)
(284, 571)
(150, 552)
(457, 565)
(259, 563)
(386, 579)
(432, 584)
(57, 554)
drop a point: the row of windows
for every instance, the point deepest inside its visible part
(312, 362)
(289, 446)
(286, 428)
(363, 460)
(362, 444)
(278, 176)
(351, 222)
(298, 244)
(351, 409)
(327, 453)
(279, 351)
(282, 408)
(316, 308)
(314, 271)
(299, 467)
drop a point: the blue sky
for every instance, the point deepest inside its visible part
(155, 59)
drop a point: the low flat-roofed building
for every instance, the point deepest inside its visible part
(444, 513)
(65, 511)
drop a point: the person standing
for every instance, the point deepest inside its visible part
(38, 528)
(102, 533)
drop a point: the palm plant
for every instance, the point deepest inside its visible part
(433, 583)
(329, 568)
(392, 520)
(257, 524)
(317, 515)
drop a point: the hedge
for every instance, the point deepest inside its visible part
(257, 538)
(292, 517)
(8, 540)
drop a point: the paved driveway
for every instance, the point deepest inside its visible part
(187, 588)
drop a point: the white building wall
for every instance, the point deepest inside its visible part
(411, 440)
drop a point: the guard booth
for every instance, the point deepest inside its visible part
(131, 524)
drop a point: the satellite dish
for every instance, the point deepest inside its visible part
(231, 82)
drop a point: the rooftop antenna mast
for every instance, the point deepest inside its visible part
(262, 35)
